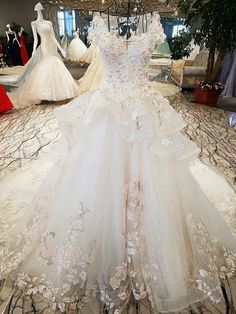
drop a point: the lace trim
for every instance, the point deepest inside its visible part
(135, 275)
(219, 261)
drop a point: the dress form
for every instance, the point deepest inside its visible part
(45, 77)
(10, 31)
(40, 19)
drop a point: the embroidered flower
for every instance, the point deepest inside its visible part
(115, 283)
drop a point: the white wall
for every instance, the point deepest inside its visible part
(18, 11)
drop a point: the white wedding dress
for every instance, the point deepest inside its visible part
(45, 76)
(91, 54)
(125, 210)
(93, 76)
(76, 48)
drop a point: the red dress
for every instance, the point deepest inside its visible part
(23, 51)
(5, 103)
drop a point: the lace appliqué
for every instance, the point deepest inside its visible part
(218, 261)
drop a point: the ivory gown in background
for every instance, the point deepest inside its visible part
(45, 76)
(49, 79)
(76, 48)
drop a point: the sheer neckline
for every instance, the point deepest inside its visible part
(135, 37)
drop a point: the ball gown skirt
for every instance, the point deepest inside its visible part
(93, 76)
(49, 80)
(76, 49)
(122, 208)
(5, 103)
(119, 208)
(91, 54)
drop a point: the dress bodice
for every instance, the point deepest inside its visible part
(125, 61)
(11, 37)
(22, 39)
(45, 31)
(75, 35)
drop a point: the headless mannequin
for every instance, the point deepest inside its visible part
(23, 51)
(21, 31)
(38, 8)
(10, 31)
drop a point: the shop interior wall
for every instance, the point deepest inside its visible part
(18, 11)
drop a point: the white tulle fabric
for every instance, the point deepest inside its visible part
(91, 54)
(121, 213)
(94, 74)
(45, 76)
(76, 49)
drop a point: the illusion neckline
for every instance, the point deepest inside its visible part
(137, 38)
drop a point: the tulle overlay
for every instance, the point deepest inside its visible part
(18, 80)
(49, 80)
(93, 75)
(120, 213)
(90, 54)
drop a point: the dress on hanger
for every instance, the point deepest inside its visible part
(46, 78)
(5, 103)
(23, 51)
(76, 48)
(126, 209)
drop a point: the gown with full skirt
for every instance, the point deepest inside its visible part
(45, 76)
(93, 76)
(123, 208)
(91, 54)
(76, 48)
(65, 41)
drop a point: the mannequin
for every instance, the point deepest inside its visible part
(38, 8)
(46, 77)
(23, 51)
(14, 46)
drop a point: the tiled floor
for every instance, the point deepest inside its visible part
(26, 134)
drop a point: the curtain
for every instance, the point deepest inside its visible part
(228, 75)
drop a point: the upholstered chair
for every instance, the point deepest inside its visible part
(186, 73)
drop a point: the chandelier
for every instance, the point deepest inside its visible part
(127, 13)
(162, 6)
